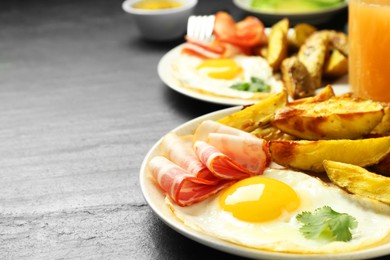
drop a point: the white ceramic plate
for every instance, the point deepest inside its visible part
(155, 199)
(165, 73)
(270, 17)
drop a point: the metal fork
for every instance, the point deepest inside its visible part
(200, 27)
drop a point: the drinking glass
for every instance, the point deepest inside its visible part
(369, 48)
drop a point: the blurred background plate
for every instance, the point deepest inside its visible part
(314, 17)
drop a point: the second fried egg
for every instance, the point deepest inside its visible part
(217, 76)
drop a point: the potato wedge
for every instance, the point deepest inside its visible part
(383, 128)
(309, 155)
(336, 65)
(313, 53)
(338, 41)
(335, 118)
(301, 32)
(269, 132)
(278, 44)
(358, 180)
(323, 95)
(253, 116)
(296, 78)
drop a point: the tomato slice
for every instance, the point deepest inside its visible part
(246, 33)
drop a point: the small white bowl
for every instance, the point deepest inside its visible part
(161, 24)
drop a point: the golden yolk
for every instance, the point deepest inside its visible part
(259, 199)
(220, 68)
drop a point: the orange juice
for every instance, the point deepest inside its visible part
(369, 48)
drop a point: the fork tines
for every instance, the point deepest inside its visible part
(201, 27)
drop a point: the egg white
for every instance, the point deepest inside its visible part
(282, 234)
(187, 75)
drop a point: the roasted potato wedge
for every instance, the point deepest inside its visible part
(309, 155)
(338, 41)
(296, 78)
(269, 132)
(323, 95)
(301, 32)
(253, 116)
(383, 128)
(358, 180)
(278, 44)
(313, 53)
(336, 65)
(335, 118)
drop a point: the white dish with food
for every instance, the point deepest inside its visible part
(160, 20)
(312, 15)
(156, 201)
(166, 73)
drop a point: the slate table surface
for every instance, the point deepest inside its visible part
(80, 105)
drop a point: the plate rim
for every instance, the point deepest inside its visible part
(149, 189)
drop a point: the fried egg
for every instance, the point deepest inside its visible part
(260, 212)
(216, 76)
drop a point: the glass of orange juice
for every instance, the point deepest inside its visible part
(369, 48)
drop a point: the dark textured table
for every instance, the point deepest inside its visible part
(80, 105)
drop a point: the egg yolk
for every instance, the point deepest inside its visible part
(259, 199)
(220, 68)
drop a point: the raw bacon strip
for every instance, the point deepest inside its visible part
(207, 127)
(180, 186)
(252, 154)
(179, 150)
(220, 164)
(202, 50)
(194, 49)
(213, 46)
(245, 149)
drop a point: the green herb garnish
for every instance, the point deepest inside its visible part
(255, 85)
(325, 223)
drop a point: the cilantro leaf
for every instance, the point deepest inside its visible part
(255, 85)
(325, 223)
(243, 86)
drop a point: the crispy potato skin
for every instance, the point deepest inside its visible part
(358, 180)
(334, 118)
(309, 155)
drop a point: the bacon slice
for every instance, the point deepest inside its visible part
(221, 165)
(179, 150)
(181, 186)
(194, 49)
(246, 150)
(228, 154)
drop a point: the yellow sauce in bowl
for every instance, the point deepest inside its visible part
(157, 5)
